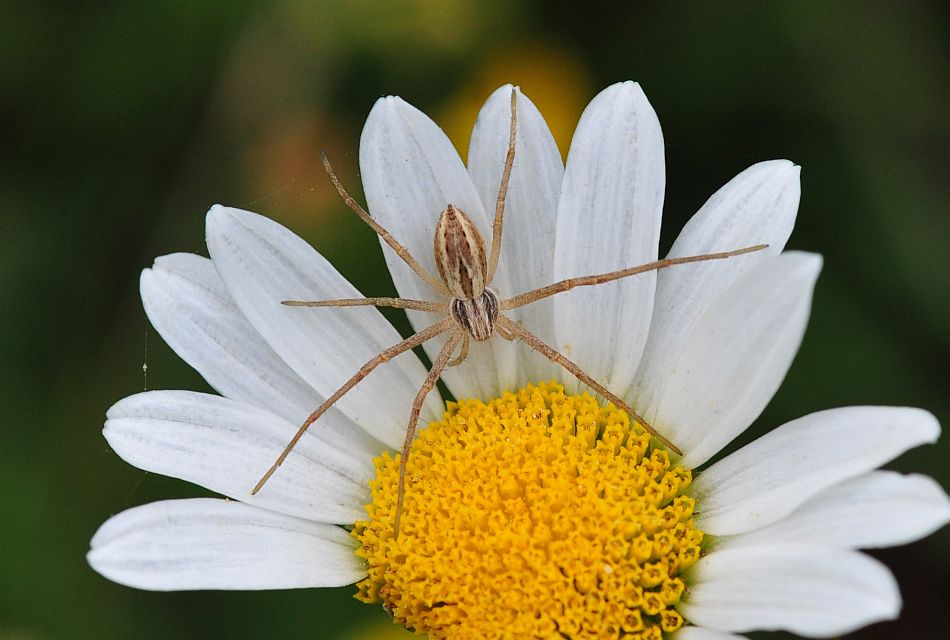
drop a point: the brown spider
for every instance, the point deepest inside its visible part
(474, 310)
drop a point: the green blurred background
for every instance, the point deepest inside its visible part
(122, 122)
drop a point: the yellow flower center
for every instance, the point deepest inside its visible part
(532, 515)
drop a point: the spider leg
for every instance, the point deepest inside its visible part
(503, 191)
(438, 365)
(522, 299)
(405, 345)
(463, 353)
(400, 250)
(553, 355)
(399, 303)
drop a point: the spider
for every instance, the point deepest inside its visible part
(474, 310)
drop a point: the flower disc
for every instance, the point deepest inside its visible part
(533, 514)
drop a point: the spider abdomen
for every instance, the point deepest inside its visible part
(460, 254)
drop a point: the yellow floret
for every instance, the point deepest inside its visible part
(534, 514)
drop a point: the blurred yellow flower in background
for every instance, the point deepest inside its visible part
(556, 80)
(382, 630)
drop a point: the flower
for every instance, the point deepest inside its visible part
(539, 506)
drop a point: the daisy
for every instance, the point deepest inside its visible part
(531, 508)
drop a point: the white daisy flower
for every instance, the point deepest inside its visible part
(541, 510)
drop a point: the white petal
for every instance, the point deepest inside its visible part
(215, 544)
(769, 478)
(699, 633)
(263, 263)
(608, 219)
(527, 257)
(806, 590)
(877, 509)
(226, 446)
(736, 357)
(190, 307)
(758, 206)
(410, 173)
